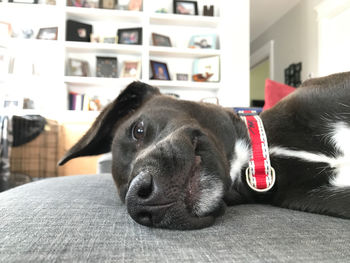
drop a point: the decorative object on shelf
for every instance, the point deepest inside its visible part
(27, 33)
(123, 4)
(48, 33)
(203, 41)
(201, 77)
(77, 31)
(182, 76)
(292, 75)
(131, 69)
(162, 11)
(78, 67)
(109, 40)
(24, 1)
(107, 4)
(107, 67)
(185, 7)
(208, 10)
(5, 29)
(135, 5)
(77, 3)
(212, 100)
(92, 3)
(130, 36)
(94, 38)
(50, 2)
(12, 102)
(161, 40)
(206, 69)
(160, 70)
(28, 104)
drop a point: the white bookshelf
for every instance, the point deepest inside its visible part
(179, 57)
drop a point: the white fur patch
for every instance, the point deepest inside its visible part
(340, 138)
(211, 193)
(240, 158)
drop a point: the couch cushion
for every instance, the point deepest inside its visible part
(81, 219)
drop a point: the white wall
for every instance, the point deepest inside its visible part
(235, 53)
(296, 39)
(334, 37)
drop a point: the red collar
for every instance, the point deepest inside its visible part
(260, 175)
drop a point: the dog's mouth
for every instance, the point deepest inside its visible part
(192, 205)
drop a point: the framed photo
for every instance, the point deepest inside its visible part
(185, 7)
(48, 33)
(130, 36)
(203, 41)
(78, 67)
(160, 70)
(182, 76)
(106, 67)
(107, 4)
(207, 69)
(135, 5)
(131, 69)
(77, 31)
(160, 40)
(24, 1)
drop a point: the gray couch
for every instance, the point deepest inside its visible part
(81, 219)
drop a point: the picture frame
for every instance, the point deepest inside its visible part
(106, 67)
(48, 33)
(24, 1)
(182, 76)
(185, 7)
(207, 69)
(94, 38)
(130, 36)
(161, 40)
(78, 68)
(131, 69)
(203, 41)
(135, 5)
(77, 31)
(160, 70)
(107, 4)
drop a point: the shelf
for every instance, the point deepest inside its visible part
(83, 47)
(15, 43)
(94, 81)
(104, 14)
(212, 86)
(184, 20)
(182, 52)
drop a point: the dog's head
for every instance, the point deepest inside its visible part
(171, 158)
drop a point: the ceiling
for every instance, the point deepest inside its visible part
(264, 13)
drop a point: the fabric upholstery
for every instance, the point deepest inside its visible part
(81, 219)
(274, 92)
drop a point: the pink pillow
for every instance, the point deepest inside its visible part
(274, 92)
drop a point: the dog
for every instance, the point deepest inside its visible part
(177, 164)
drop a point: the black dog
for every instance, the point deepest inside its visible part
(177, 163)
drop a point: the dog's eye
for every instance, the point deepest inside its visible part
(138, 131)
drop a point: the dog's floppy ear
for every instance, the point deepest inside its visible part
(98, 138)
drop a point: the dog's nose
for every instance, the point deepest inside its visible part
(143, 201)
